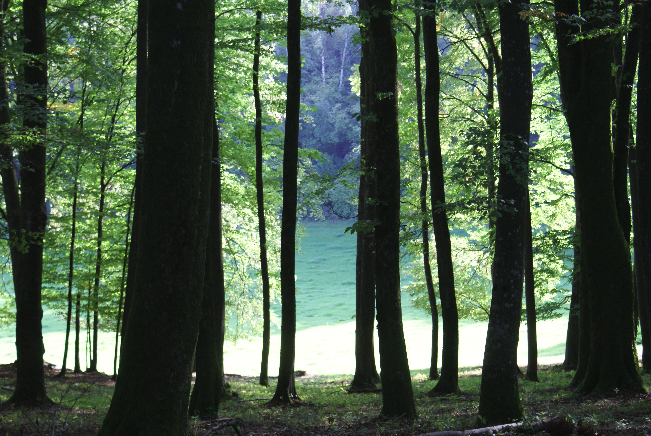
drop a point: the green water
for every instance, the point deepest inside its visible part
(325, 282)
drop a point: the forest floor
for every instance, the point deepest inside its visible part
(326, 407)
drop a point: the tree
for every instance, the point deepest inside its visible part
(165, 310)
(262, 224)
(25, 208)
(142, 38)
(448, 384)
(499, 400)
(209, 354)
(366, 375)
(586, 92)
(397, 395)
(643, 164)
(285, 389)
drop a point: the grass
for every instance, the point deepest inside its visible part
(327, 409)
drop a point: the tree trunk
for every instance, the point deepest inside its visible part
(205, 397)
(366, 375)
(424, 224)
(643, 163)
(397, 394)
(530, 296)
(71, 264)
(98, 264)
(26, 216)
(125, 259)
(262, 225)
(585, 72)
(77, 369)
(572, 338)
(622, 123)
(285, 389)
(449, 382)
(153, 386)
(499, 400)
(343, 60)
(141, 112)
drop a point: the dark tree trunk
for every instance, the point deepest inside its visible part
(449, 382)
(153, 386)
(366, 375)
(262, 226)
(205, 397)
(572, 339)
(643, 164)
(397, 394)
(98, 264)
(141, 112)
(285, 389)
(530, 296)
(125, 259)
(622, 123)
(77, 369)
(585, 72)
(71, 264)
(424, 224)
(26, 216)
(499, 400)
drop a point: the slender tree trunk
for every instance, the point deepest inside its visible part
(397, 394)
(366, 375)
(622, 124)
(572, 339)
(125, 260)
(77, 369)
(530, 296)
(71, 264)
(141, 112)
(262, 225)
(643, 164)
(343, 60)
(585, 90)
(285, 389)
(449, 381)
(424, 224)
(499, 400)
(98, 265)
(153, 387)
(26, 216)
(206, 394)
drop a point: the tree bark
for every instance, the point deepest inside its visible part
(366, 375)
(530, 296)
(499, 400)
(25, 209)
(285, 389)
(159, 342)
(205, 397)
(71, 263)
(585, 72)
(397, 394)
(572, 338)
(125, 260)
(622, 123)
(262, 226)
(141, 112)
(424, 224)
(98, 263)
(449, 381)
(643, 164)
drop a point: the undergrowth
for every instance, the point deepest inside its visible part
(326, 408)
